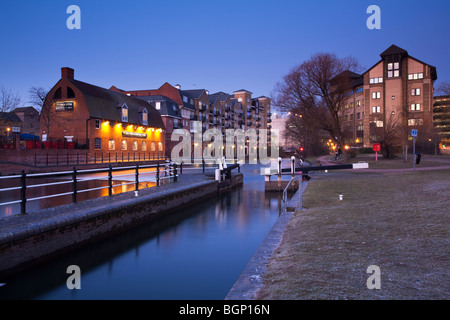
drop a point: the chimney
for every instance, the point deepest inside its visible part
(67, 73)
(178, 86)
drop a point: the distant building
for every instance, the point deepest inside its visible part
(30, 120)
(101, 120)
(441, 118)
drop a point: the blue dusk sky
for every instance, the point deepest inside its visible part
(214, 45)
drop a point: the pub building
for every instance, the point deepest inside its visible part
(86, 116)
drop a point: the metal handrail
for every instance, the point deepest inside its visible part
(300, 180)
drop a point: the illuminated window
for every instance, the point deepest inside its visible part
(393, 69)
(112, 144)
(415, 92)
(144, 145)
(415, 122)
(158, 105)
(97, 124)
(145, 117)
(153, 146)
(376, 109)
(134, 146)
(376, 95)
(124, 113)
(415, 107)
(160, 146)
(123, 145)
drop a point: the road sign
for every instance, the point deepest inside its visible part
(413, 132)
(376, 147)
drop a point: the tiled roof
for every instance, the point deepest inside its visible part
(106, 104)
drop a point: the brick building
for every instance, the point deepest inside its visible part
(219, 110)
(101, 120)
(397, 92)
(441, 118)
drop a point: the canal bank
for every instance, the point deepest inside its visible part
(27, 240)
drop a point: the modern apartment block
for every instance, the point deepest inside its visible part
(441, 118)
(219, 110)
(395, 93)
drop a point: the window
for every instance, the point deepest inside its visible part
(124, 113)
(185, 99)
(64, 106)
(360, 127)
(393, 69)
(145, 117)
(98, 124)
(153, 146)
(358, 103)
(97, 143)
(160, 146)
(415, 92)
(374, 81)
(70, 93)
(134, 145)
(376, 95)
(415, 76)
(378, 123)
(144, 146)
(158, 105)
(415, 107)
(415, 122)
(123, 145)
(112, 144)
(57, 94)
(358, 115)
(376, 109)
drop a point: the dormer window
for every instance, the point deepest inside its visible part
(124, 113)
(145, 117)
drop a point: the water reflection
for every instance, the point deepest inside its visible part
(35, 205)
(196, 253)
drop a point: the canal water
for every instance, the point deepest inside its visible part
(195, 254)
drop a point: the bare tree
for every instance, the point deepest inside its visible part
(317, 89)
(391, 135)
(443, 88)
(37, 97)
(8, 100)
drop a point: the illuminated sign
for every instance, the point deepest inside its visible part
(134, 135)
(64, 105)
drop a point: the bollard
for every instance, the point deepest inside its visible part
(74, 185)
(157, 174)
(23, 193)
(137, 177)
(293, 166)
(110, 180)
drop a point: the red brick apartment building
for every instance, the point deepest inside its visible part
(397, 91)
(218, 110)
(100, 120)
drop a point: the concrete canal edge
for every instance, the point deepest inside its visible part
(26, 240)
(251, 279)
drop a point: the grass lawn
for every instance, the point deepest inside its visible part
(398, 222)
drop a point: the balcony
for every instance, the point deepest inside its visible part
(177, 125)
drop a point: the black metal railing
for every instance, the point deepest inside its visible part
(159, 171)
